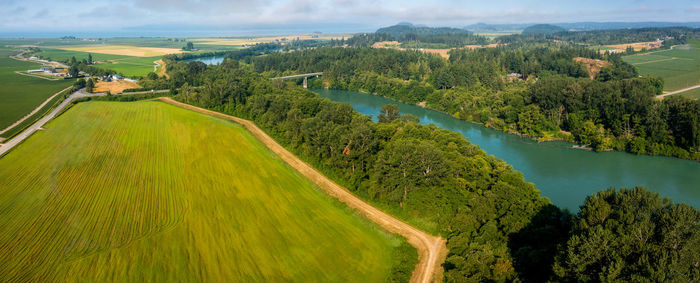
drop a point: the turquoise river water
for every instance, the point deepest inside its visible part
(563, 174)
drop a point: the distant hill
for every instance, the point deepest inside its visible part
(581, 26)
(407, 28)
(542, 28)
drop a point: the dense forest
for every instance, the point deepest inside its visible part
(419, 37)
(535, 90)
(495, 222)
(671, 36)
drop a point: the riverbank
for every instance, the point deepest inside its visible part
(564, 174)
(562, 136)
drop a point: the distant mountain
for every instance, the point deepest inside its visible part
(580, 26)
(542, 28)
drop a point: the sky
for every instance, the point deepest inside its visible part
(222, 16)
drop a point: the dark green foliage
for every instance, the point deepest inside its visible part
(416, 37)
(90, 85)
(632, 235)
(673, 36)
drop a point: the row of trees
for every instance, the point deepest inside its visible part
(497, 226)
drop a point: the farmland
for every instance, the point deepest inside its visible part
(242, 41)
(146, 191)
(679, 67)
(20, 94)
(126, 50)
(126, 65)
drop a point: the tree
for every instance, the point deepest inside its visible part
(631, 235)
(89, 61)
(189, 46)
(152, 76)
(90, 85)
(73, 71)
(388, 113)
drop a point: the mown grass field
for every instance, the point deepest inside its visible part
(680, 66)
(146, 191)
(19, 94)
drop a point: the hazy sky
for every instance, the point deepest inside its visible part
(114, 15)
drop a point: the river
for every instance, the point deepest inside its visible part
(209, 60)
(563, 174)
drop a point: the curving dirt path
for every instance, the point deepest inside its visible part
(33, 111)
(431, 250)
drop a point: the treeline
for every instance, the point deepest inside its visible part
(419, 37)
(672, 36)
(497, 226)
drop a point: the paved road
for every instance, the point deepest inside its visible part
(431, 249)
(678, 91)
(10, 144)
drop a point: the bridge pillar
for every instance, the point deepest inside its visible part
(306, 82)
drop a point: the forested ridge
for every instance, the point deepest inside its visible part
(497, 225)
(552, 96)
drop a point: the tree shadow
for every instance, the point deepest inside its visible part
(534, 247)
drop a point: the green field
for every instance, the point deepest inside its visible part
(19, 94)
(693, 93)
(146, 191)
(679, 67)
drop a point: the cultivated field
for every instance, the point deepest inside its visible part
(20, 94)
(145, 191)
(114, 86)
(124, 50)
(126, 65)
(679, 67)
(694, 94)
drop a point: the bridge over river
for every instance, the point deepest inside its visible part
(305, 76)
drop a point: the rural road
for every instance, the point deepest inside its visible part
(33, 111)
(431, 249)
(10, 144)
(677, 91)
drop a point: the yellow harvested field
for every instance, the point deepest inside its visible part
(265, 39)
(637, 46)
(125, 50)
(441, 52)
(386, 44)
(115, 86)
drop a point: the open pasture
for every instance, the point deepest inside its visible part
(679, 67)
(146, 191)
(20, 94)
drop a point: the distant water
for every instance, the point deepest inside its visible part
(563, 174)
(212, 60)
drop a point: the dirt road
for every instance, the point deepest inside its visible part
(33, 111)
(431, 249)
(677, 91)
